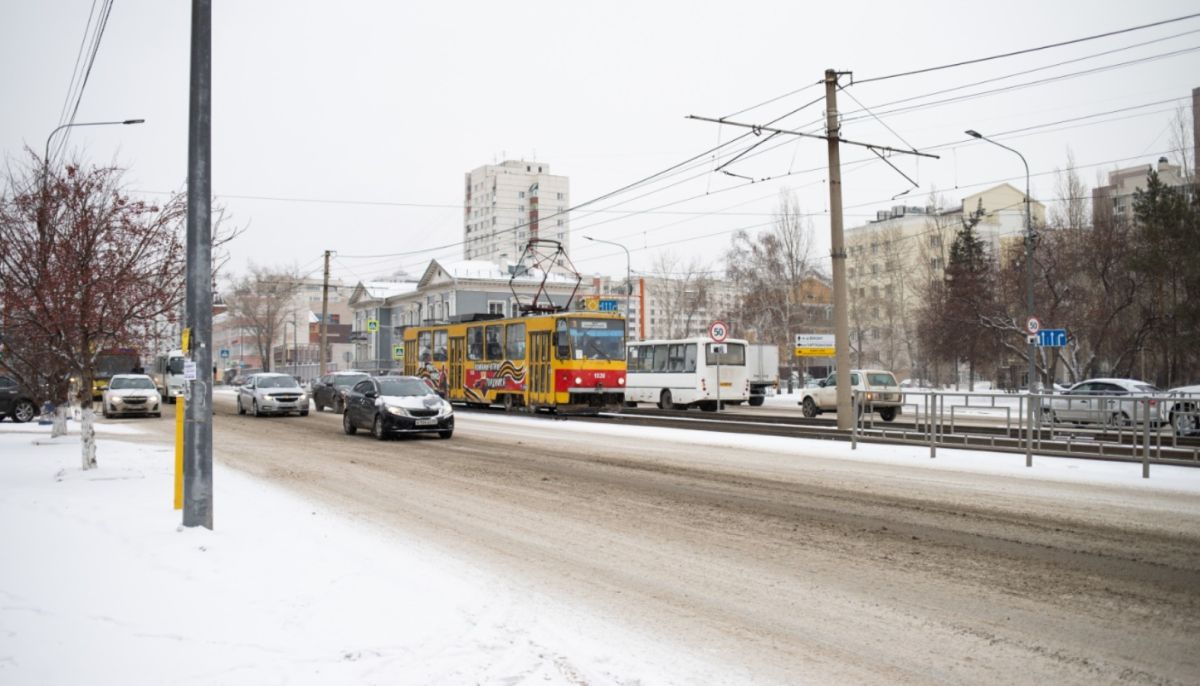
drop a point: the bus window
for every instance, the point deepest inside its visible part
(734, 355)
(425, 345)
(494, 335)
(475, 343)
(631, 357)
(516, 341)
(660, 358)
(689, 358)
(675, 357)
(440, 339)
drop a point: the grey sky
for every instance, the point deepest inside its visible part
(390, 103)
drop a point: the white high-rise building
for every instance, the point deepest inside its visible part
(506, 204)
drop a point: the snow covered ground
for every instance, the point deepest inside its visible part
(100, 584)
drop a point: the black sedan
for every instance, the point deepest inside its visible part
(389, 405)
(330, 390)
(15, 401)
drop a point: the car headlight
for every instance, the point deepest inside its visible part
(447, 409)
(397, 410)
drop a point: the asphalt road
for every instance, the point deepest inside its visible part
(787, 570)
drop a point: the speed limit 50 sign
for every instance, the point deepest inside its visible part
(718, 331)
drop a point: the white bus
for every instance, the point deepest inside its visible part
(678, 374)
(168, 375)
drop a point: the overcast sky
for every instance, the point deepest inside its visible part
(348, 126)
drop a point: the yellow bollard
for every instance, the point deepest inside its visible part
(179, 415)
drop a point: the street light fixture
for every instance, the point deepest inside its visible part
(125, 122)
(1029, 240)
(628, 280)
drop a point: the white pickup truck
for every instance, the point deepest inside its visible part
(880, 393)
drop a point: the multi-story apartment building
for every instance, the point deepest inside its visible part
(506, 204)
(892, 260)
(1115, 200)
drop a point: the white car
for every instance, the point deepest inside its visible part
(1105, 401)
(131, 394)
(1183, 410)
(879, 393)
(270, 393)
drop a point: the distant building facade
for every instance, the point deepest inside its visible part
(1115, 200)
(506, 204)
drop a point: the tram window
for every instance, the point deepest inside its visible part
(425, 345)
(475, 343)
(675, 358)
(562, 341)
(494, 335)
(439, 345)
(515, 337)
(689, 358)
(660, 358)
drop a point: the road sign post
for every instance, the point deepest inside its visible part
(718, 331)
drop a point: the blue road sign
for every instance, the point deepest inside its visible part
(1052, 338)
(224, 353)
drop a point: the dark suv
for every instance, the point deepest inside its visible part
(330, 390)
(15, 401)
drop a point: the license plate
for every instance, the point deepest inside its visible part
(426, 422)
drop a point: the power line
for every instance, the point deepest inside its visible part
(1026, 51)
(101, 24)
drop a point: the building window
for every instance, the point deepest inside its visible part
(496, 307)
(560, 196)
(520, 194)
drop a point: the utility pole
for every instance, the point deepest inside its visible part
(837, 243)
(324, 314)
(197, 455)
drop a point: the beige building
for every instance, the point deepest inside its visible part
(506, 204)
(892, 260)
(1115, 200)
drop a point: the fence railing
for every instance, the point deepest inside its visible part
(1150, 428)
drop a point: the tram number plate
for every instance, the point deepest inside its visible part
(426, 422)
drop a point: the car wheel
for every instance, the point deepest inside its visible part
(665, 402)
(158, 414)
(809, 408)
(254, 407)
(103, 411)
(23, 411)
(446, 433)
(1184, 421)
(339, 406)
(757, 400)
(347, 425)
(241, 410)
(377, 429)
(887, 414)
(303, 413)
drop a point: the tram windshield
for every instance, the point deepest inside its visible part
(595, 339)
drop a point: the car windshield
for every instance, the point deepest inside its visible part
(880, 379)
(121, 383)
(402, 386)
(277, 382)
(348, 380)
(597, 339)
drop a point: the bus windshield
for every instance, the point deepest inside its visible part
(112, 362)
(597, 339)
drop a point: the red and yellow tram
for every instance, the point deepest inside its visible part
(562, 361)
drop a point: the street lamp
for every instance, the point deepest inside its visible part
(125, 122)
(1029, 238)
(628, 281)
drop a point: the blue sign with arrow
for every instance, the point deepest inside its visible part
(1052, 338)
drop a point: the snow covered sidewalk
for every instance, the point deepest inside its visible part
(100, 585)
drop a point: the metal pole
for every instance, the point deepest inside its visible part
(841, 318)
(324, 313)
(197, 483)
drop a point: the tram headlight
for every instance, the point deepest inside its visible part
(579, 381)
(621, 381)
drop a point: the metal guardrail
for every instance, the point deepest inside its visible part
(1106, 426)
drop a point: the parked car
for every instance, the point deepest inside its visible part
(16, 401)
(330, 390)
(880, 393)
(269, 393)
(1105, 401)
(131, 394)
(1182, 408)
(388, 405)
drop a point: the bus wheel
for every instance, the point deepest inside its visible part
(665, 402)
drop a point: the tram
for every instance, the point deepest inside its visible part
(560, 361)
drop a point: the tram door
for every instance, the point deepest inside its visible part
(455, 386)
(541, 389)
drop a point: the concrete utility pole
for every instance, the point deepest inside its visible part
(324, 313)
(197, 455)
(837, 243)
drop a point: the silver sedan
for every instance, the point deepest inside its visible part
(269, 393)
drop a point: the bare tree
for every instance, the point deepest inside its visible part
(260, 301)
(84, 267)
(682, 290)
